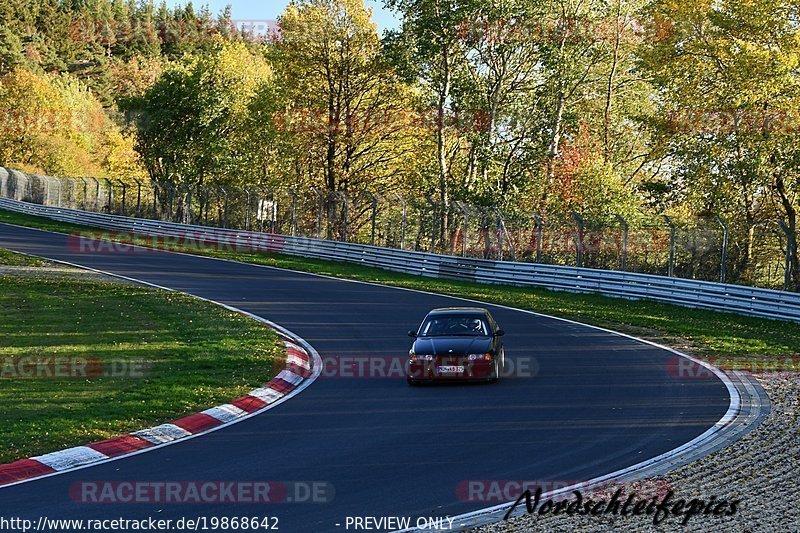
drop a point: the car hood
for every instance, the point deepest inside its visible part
(452, 345)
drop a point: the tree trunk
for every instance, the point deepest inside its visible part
(555, 136)
(330, 156)
(610, 90)
(444, 94)
(791, 221)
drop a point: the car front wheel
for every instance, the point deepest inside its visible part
(496, 372)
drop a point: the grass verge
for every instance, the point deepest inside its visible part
(741, 341)
(13, 259)
(153, 356)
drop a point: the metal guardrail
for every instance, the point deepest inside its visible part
(689, 293)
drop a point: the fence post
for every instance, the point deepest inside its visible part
(537, 219)
(671, 265)
(266, 191)
(110, 195)
(187, 216)
(330, 214)
(70, 192)
(261, 194)
(29, 186)
(247, 209)
(202, 207)
(47, 198)
(21, 188)
(374, 216)
(222, 218)
(58, 181)
(67, 185)
(579, 221)
(28, 189)
(503, 231)
(499, 233)
(273, 214)
(85, 191)
(73, 193)
(156, 215)
(124, 195)
(624, 224)
(293, 228)
(403, 224)
(723, 267)
(171, 186)
(433, 222)
(345, 213)
(138, 197)
(43, 182)
(787, 264)
(465, 234)
(206, 203)
(96, 194)
(319, 211)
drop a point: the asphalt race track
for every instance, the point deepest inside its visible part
(598, 403)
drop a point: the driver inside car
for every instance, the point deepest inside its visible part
(476, 326)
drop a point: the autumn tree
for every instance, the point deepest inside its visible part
(434, 33)
(727, 79)
(192, 121)
(54, 124)
(344, 106)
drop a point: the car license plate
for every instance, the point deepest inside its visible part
(451, 369)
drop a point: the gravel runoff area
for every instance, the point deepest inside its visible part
(761, 471)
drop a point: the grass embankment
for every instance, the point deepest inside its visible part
(12, 259)
(705, 333)
(153, 356)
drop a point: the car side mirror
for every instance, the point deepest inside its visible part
(499, 333)
(412, 333)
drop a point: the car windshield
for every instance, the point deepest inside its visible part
(449, 325)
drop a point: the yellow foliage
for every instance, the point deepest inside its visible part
(55, 125)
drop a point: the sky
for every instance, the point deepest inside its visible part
(260, 10)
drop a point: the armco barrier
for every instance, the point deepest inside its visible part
(690, 293)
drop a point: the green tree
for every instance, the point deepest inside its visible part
(433, 32)
(192, 121)
(10, 50)
(727, 75)
(345, 106)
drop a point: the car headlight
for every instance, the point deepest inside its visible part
(479, 356)
(415, 357)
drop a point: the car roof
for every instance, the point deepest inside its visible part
(476, 311)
